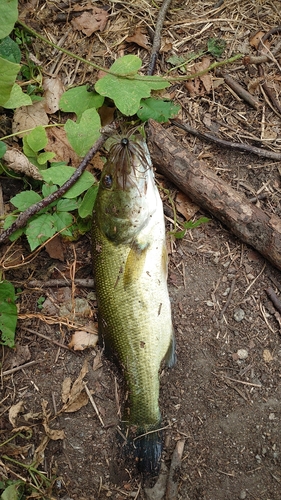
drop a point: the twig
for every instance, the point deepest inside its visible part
(93, 403)
(34, 209)
(227, 144)
(228, 298)
(46, 338)
(172, 485)
(269, 91)
(157, 36)
(241, 92)
(17, 368)
(85, 283)
(274, 298)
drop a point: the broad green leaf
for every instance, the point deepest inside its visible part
(216, 46)
(87, 205)
(59, 175)
(10, 50)
(84, 134)
(42, 158)
(78, 99)
(40, 230)
(128, 92)
(8, 16)
(67, 205)
(25, 199)
(8, 314)
(8, 74)
(17, 98)
(37, 139)
(175, 60)
(159, 110)
(3, 149)
(63, 220)
(9, 220)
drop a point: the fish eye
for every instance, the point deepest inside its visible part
(124, 142)
(107, 181)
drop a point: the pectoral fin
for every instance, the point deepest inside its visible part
(134, 263)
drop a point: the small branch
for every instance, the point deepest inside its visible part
(85, 283)
(274, 298)
(241, 92)
(34, 209)
(46, 338)
(17, 368)
(227, 144)
(269, 92)
(174, 476)
(228, 298)
(157, 36)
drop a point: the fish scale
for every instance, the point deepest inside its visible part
(130, 270)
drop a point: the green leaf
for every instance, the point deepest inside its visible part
(175, 60)
(84, 134)
(8, 16)
(37, 139)
(128, 92)
(66, 205)
(189, 225)
(8, 314)
(9, 220)
(25, 199)
(8, 74)
(17, 98)
(78, 99)
(11, 492)
(3, 149)
(87, 204)
(216, 46)
(40, 230)
(48, 189)
(10, 50)
(159, 110)
(42, 158)
(59, 175)
(63, 220)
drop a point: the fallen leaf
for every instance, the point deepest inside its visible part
(74, 400)
(81, 400)
(139, 37)
(27, 117)
(65, 390)
(39, 453)
(22, 355)
(92, 19)
(255, 40)
(80, 307)
(58, 143)
(53, 91)
(185, 206)
(194, 86)
(54, 248)
(14, 411)
(53, 434)
(82, 340)
(18, 162)
(97, 361)
(267, 356)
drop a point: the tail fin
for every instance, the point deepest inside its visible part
(145, 448)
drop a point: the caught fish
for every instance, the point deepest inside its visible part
(130, 271)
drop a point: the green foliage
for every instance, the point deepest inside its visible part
(189, 225)
(3, 149)
(157, 109)
(216, 46)
(33, 143)
(83, 135)
(9, 50)
(8, 74)
(79, 99)
(8, 16)
(8, 314)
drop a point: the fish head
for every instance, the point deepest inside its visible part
(127, 196)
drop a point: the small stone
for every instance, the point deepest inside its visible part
(242, 353)
(243, 495)
(239, 315)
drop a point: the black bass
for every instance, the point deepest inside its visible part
(130, 271)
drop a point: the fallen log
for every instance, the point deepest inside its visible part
(251, 224)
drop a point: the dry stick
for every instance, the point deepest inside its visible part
(228, 298)
(269, 92)
(227, 144)
(34, 209)
(157, 36)
(17, 368)
(274, 298)
(251, 224)
(82, 282)
(241, 92)
(46, 338)
(172, 485)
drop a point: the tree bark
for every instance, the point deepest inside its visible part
(251, 224)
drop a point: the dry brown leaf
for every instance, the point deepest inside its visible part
(28, 117)
(97, 361)
(194, 86)
(185, 206)
(18, 162)
(65, 391)
(81, 400)
(267, 356)
(22, 355)
(53, 434)
(54, 248)
(82, 340)
(53, 91)
(58, 143)
(255, 40)
(14, 411)
(39, 453)
(139, 37)
(92, 19)
(73, 400)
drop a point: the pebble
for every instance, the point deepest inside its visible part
(239, 315)
(243, 494)
(242, 353)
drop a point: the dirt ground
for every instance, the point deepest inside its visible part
(222, 400)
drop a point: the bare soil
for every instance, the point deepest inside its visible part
(223, 397)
